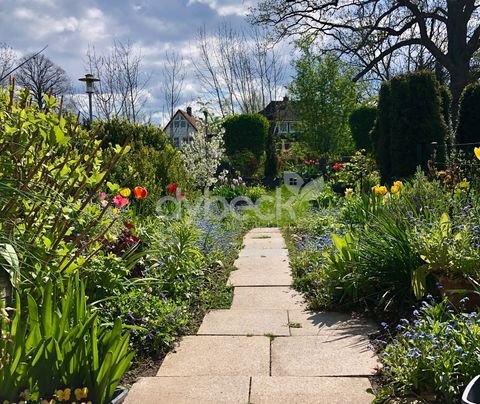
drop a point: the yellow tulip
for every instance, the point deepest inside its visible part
(476, 150)
(380, 190)
(395, 189)
(125, 192)
(398, 184)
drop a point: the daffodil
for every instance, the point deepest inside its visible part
(348, 193)
(476, 150)
(125, 192)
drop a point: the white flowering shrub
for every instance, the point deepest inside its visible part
(203, 156)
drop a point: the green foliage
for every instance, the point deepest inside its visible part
(435, 356)
(245, 162)
(362, 121)
(325, 96)
(410, 118)
(153, 162)
(271, 160)
(56, 341)
(255, 192)
(468, 130)
(50, 174)
(246, 132)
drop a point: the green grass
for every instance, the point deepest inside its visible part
(279, 208)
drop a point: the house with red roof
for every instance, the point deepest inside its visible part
(182, 127)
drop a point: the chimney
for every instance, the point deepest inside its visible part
(189, 111)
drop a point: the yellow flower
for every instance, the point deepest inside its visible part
(81, 393)
(398, 184)
(44, 402)
(395, 189)
(66, 394)
(476, 150)
(348, 193)
(125, 192)
(6, 402)
(115, 211)
(60, 394)
(380, 190)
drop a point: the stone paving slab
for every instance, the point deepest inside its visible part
(263, 252)
(268, 264)
(265, 230)
(315, 356)
(260, 277)
(245, 322)
(268, 243)
(310, 390)
(323, 323)
(268, 297)
(263, 236)
(218, 356)
(188, 390)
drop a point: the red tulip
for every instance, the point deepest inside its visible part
(337, 166)
(172, 188)
(140, 192)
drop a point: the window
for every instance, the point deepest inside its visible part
(291, 127)
(183, 124)
(292, 181)
(283, 127)
(176, 124)
(176, 142)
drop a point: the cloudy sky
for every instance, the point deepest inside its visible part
(152, 26)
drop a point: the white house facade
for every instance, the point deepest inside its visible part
(181, 127)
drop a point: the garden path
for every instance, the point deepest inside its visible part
(266, 349)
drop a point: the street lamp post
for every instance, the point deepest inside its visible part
(89, 79)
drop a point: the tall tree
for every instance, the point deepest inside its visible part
(173, 74)
(242, 71)
(7, 61)
(446, 29)
(42, 76)
(121, 89)
(324, 98)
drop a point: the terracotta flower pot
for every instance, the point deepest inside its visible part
(457, 289)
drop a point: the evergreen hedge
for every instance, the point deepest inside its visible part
(361, 122)
(245, 132)
(410, 117)
(468, 129)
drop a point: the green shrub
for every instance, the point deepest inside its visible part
(246, 132)
(362, 121)
(271, 159)
(51, 172)
(468, 130)
(410, 118)
(152, 163)
(245, 162)
(255, 192)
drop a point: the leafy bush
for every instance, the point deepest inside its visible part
(434, 356)
(255, 192)
(362, 121)
(246, 132)
(152, 162)
(467, 128)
